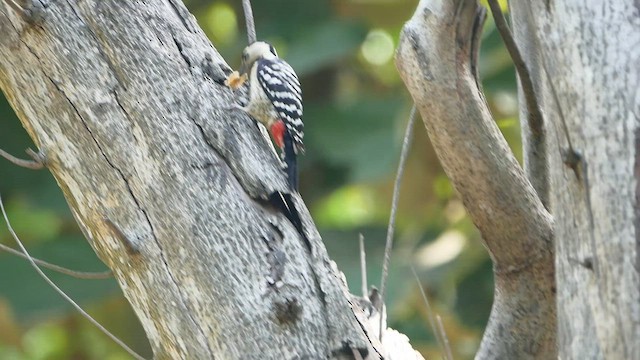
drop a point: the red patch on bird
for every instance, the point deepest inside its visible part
(277, 131)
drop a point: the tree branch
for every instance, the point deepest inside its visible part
(535, 118)
(534, 136)
(406, 144)
(60, 269)
(437, 61)
(248, 17)
(37, 163)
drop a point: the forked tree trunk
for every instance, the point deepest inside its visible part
(174, 192)
(583, 163)
(585, 63)
(437, 59)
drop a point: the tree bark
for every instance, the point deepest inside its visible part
(585, 57)
(437, 59)
(175, 193)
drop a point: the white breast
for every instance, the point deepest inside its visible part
(259, 106)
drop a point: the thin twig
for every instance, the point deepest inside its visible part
(408, 135)
(363, 268)
(248, 17)
(432, 321)
(62, 293)
(35, 164)
(535, 117)
(60, 269)
(447, 347)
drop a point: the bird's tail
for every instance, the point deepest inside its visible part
(291, 160)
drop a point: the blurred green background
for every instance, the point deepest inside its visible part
(356, 108)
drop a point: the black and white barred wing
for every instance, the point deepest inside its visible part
(281, 84)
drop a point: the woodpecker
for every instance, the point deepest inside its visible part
(275, 100)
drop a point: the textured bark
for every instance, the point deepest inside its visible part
(592, 55)
(437, 61)
(126, 101)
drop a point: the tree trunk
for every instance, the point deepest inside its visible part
(585, 57)
(180, 197)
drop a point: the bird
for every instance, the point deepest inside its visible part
(275, 100)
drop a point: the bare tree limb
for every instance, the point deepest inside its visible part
(62, 293)
(445, 339)
(534, 137)
(363, 267)
(248, 17)
(37, 163)
(437, 333)
(437, 58)
(60, 269)
(406, 144)
(535, 118)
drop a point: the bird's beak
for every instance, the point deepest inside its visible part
(243, 68)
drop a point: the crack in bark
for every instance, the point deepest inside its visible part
(355, 308)
(180, 47)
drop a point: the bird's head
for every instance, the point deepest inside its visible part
(256, 51)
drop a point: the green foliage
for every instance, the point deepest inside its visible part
(356, 108)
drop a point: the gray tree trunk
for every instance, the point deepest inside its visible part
(126, 101)
(585, 57)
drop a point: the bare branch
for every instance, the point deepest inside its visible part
(432, 320)
(406, 144)
(62, 293)
(248, 17)
(534, 136)
(443, 334)
(60, 269)
(363, 268)
(535, 118)
(36, 164)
